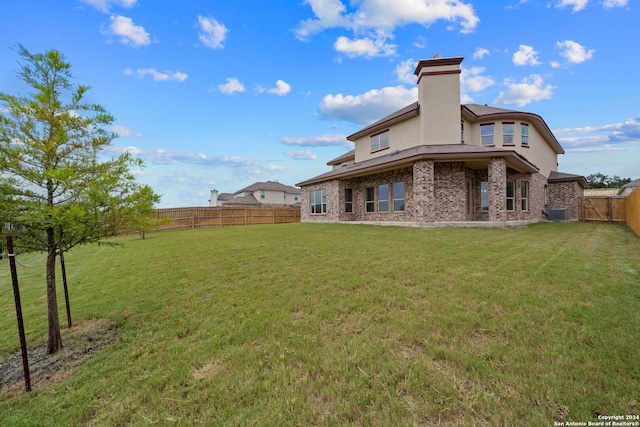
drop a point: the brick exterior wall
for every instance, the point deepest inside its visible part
(424, 192)
(497, 189)
(436, 192)
(565, 194)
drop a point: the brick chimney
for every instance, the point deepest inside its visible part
(439, 99)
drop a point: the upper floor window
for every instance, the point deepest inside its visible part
(380, 141)
(524, 130)
(462, 130)
(262, 194)
(318, 201)
(486, 134)
(508, 133)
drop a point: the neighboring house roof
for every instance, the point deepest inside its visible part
(397, 159)
(629, 187)
(225, 196)
(269, 186)
(246, 200)
(560, 176)
(634, 183)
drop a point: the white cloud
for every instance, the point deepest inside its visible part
(231, 86)
(404, 71)
(163, 157)
(367, 107)
(615, 133)
(105, 5)
(130, 34)
(156, 75)
(364, 47)
(525, 55)
(282, 88)
(213, 33)
(530, 89)
(574, 52)
(480, 53)
(326, 140)
(301, 155)
(577, 5)
(123, 132)
(472, 80)
(614, 3)
(329, 14)
(382, 17)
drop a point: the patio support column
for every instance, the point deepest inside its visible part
(497, 189)
(423, 191)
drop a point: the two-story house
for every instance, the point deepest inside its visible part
(258, 194)
(438, 161)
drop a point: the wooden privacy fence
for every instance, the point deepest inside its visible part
(609, 209)
(222, 216)
(633, 211)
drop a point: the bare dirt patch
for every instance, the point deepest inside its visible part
(81, 342)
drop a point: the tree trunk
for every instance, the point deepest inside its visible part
(55, 340)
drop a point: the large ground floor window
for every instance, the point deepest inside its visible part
(318, 201)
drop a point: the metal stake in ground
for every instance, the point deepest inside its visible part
(66, 291)
(16, 295)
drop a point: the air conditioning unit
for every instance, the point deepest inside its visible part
(559, 214)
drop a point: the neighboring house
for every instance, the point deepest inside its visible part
(260, 193)
(438, 161)
(629, 187)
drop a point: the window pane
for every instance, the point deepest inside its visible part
(486, 133)
(484, 195)
(383, 192)
(348, 200)
(370, 199)
(383, 198)
(384, 140)
(398, 196)
(524, 130)
(486, 130)
(510, 189)
(398, 190)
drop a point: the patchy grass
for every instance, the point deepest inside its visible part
(313, 324)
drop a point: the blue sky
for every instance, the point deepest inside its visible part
(221, 94)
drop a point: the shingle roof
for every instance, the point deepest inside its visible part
(408, 111)
(269, 186)
(561, 176)
(451, 152)
(484, 110)
(634, 183)
(340, 159)
(246, 200)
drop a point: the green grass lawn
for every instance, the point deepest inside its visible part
(317, 324)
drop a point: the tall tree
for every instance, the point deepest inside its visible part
(51, 174)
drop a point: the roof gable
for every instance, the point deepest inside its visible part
(269, 186)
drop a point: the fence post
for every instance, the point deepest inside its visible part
(16, 295)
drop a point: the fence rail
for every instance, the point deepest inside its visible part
(223, 216)
(609, 209)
